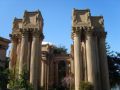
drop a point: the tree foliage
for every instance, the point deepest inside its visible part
(60, 50)
(86, 86)
(3, 77)
(19, 82)
(113, 65)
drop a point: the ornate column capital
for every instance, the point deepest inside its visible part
(38, 34)
(14, 37)
(89, 33)
(102, 35)
(76, 31)
(92, 33)
(24, 32)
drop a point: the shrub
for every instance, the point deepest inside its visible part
(86, 86)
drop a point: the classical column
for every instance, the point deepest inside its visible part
(18, 56)
(97, 69)
(90, 53)
(84, 61)
(13, 53)
(45, 73)
(103, 62)
(24, 51)
(77, 57)
(48, 64)
(39, 63)
(29, 54)
(72, 65)
(42, 73)
(35, 55)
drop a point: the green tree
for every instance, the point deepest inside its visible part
(113, 65)
(3, 77)
(60, 50)
(20, 82)
(86, 86)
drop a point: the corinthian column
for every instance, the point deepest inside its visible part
(42, 74)
(97, 69)
(91, 58)
(77, 57)
(13, 53)
(24, 51)
(18, 56)
(103, 62)
(35, 55)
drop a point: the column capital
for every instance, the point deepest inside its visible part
(38, 34)
(24, 32)
(14, 37)
(90, 33)
(102, 35)
(76, 32)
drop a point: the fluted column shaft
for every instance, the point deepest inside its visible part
(42, 73)
(103, 63)
(72, 66)
(90, 58)
(29, 54)
(77, 59)
(13, 54)
(18, 56)
(34, 60)
(39, 63)
(97, 69)
(23, 52)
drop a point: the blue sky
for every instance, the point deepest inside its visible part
(57, 17)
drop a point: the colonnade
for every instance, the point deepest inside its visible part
(96, 58)
(26, 54)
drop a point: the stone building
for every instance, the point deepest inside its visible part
(3, 48)
(55, 66)
(86, 62)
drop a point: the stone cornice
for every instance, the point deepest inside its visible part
(3, 47)
(4, 40)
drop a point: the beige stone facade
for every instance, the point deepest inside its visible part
(86, 62)
(3, 48)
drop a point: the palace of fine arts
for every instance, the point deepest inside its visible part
(44, 66)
